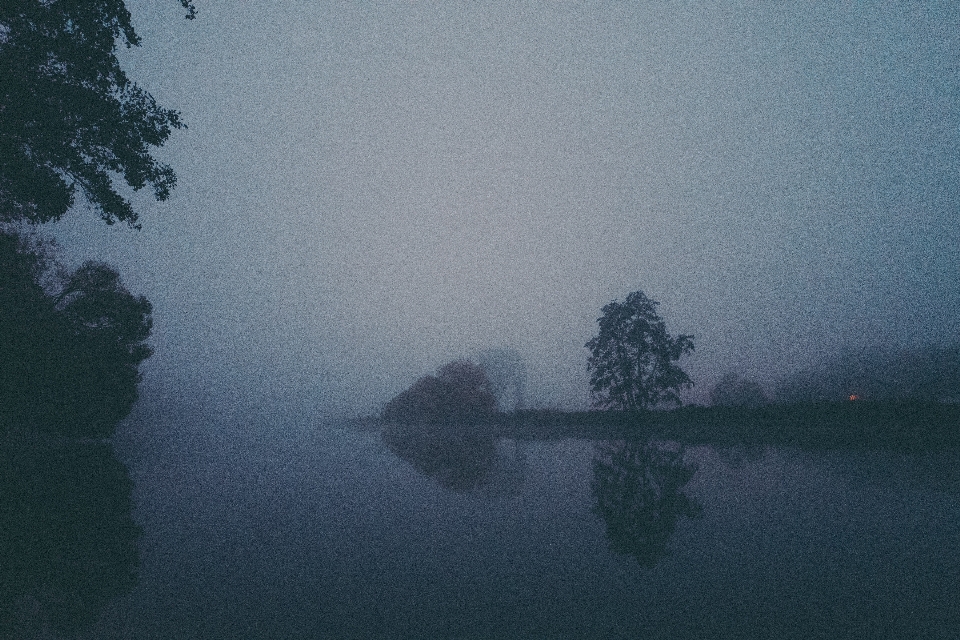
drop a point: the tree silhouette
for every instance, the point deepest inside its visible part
(637, 488)
(633, 359)
(71, 118)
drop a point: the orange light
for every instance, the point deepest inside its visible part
(853, 397)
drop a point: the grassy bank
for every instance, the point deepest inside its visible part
(902, 426)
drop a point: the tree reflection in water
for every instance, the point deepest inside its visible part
(459, 456)
(68, 543)
(637, 488)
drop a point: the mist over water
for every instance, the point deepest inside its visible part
(255, 526)
(366, 193)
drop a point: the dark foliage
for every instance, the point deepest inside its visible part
(70, 119)
(70, 353)
(460, 392)
(633, 359)
(921, 374)
(68, 543)
(637, 488)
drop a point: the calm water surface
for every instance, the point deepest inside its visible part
(271, 525)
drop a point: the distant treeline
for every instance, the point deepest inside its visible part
(923, 374)
(858, 424)
(459, 397)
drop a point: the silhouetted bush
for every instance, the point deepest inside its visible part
(71, 343)
(460, 392)
(442, 425)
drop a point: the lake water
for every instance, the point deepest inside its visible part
(260, 524)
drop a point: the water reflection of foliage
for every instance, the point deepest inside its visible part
(459, 456)
(637, 488)
(68, 543)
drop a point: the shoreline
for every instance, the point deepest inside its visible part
(902, 426)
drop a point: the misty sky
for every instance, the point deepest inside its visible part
(366, 192)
